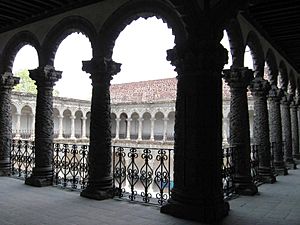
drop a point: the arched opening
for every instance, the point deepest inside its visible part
(159, 126)
(26, 122)
(146, 132)
(56, 118)
(78, 124)
(134, 126)
(74, 49)
(14, 120)
(248, 60)
(26, 59)
(67, 123)
(170, 128)
(123, 126)
(88, 121)
(251, 116)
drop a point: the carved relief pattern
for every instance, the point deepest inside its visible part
(44, 127)
(286, 127)
(259, 89)
(294, 127)
(100, 140)
(7, 81)
(275, 96)
(238, 79)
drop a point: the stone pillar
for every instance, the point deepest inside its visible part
(42, 173)
(165, 129)
(60, 127)
(72, 126)
(294, 128)
(275, 96)
(152, 129)
(140, 129)
(32, 126)
(7, 82)
(18, 126)
(238, 80)
(286, 131)
(83, 128)
(128, 128)
(100, 182)
(224, 132)
(118, 128)
(198, 188)
(259, 90)
(297, 156)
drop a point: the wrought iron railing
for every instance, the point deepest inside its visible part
(70, 165)
(22, 158)
(227, 172)
(143, 174)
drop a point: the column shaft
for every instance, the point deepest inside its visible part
(152, 129)
(72, 127)
(294, 129)
(60, 127)
(128, 128)
(7, 82)
(140, 129)
(83, 128)
(118, 128)
(165, 129)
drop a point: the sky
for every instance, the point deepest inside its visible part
(140, 48)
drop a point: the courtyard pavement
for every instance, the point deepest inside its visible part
(277, 203)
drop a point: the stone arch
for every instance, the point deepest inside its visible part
(133, 10)
(257, 53)
(159, 126)
(26, 120)
(146, 132)
(63, 29)
(292, 83)
(67, 123)
(283, 76)
(14, 45)
(78, 123)
(123, 125)
(272, 67)
(236, 42)
(134, 126)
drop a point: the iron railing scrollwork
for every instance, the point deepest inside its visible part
(228, 171)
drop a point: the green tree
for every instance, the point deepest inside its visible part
(27, 85)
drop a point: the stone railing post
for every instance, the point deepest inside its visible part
(259, 89)
(42, 173)
(238, 80)
(100, 182)
(287, 131)
(7, 82)
(274, 98)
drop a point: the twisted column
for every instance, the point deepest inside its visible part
(7, 82)
(198, 188)
(238, 79)
(45, 78)
(294, 129)
(259, 89)
(286, 131)
(100, 182)
(274, 98)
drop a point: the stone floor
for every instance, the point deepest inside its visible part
(276, 204)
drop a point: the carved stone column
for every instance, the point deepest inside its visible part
(140, 129)
(128, 128)
(275, 96)
(60, 127)
(297, 156)
(294, 128)
(238, 80)
(259, 89)
(100, 180)
(72, 126)
(45, 78)
(118, 128)
(198, 188)
(7, 82)
(83, 128)
(286, 131)
(152, 129)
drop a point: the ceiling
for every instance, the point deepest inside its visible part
(277, 20)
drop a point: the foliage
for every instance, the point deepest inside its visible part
(27, 85)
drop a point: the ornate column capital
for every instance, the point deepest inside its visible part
(8, 81)
(286, 99)
(45, 76)
(101, 69)
(238, 77)
(275, 94)
(259, 87)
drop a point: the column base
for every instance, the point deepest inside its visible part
(296, 156)
(280, 168)
(99, 190)
(208, 212)
(244, 186)
(5, 168)
(266, 175)
(41, 177)
(290, 164)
